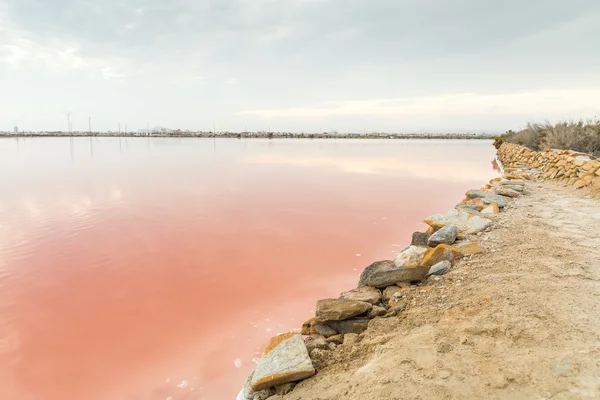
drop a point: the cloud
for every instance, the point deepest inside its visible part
(344, 61)
(543, 101)
(21, 48)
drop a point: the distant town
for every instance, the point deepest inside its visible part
(162, 132)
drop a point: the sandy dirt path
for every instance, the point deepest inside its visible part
(521, 321)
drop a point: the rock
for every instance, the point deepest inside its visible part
(411, 256)
(475, 204)
(376, 266)
(363, 293)
(308, 327)
(469, 248)
(440, 268)
(446, 235)
(391, 292)
(340, 309)
(464, 221)
(357, 325)
(285, 388)
(502, 201)
(337, 339)
(467, 207)
(419, 239)
(276, 397)
(441, 253)
(492, 209)
(376, 311)
(284, 360)
(507, 192)
(324, 330)
(473, 194)
(506, 182)
(385, 278)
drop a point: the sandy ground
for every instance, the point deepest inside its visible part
(521, 321)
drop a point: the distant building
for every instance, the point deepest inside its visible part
(16, 130)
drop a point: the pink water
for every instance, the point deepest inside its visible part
(158, 268)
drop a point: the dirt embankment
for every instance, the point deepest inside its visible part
(521, 321)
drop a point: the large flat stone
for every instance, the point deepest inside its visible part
(385, 278)
(507, 192)
(473, 194)
(364, 293)
(496, 198)
(376, 266)
(410, 257)
(464, 221)
(340, 309)
(285, 360)
(357, 325)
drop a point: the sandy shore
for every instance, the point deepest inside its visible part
(521, 321)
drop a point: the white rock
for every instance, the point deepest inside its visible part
(286, 362)
(465, 222)
(410, 257)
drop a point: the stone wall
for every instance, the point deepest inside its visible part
(574, 169)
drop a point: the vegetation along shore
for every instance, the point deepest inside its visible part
(497, 299)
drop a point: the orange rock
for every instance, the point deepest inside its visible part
(431, 230)
(440, 253)
(580, 183)
(469, 248)
(308, 328)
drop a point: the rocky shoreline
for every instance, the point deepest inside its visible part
(381, 290)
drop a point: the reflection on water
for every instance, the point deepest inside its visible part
(157, 268)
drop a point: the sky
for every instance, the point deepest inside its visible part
(298, 65)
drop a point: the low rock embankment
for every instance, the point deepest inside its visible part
(381, 291)
(568, 167)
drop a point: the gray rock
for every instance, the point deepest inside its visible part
(376, 311)
(440, 268)
(501, 200)
(285, 361)
(419, 239)
(506, 182)
(473, 194)
(410, 257)
(340, 309)
(376, 266)
(446, 235)
(507, 192)
(385, 278)
(324, 330)
(357, 325)
(363, 293)
(466, 207)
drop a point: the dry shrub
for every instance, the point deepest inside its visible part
(578, 136)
